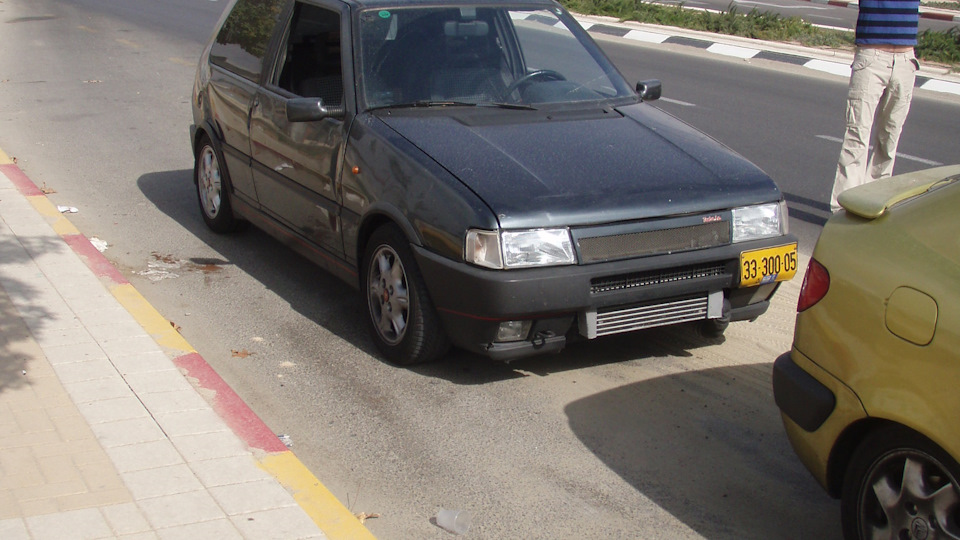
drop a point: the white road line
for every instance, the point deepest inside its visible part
(678, 102)
(908, 157)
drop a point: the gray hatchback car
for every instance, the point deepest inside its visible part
(481, 172)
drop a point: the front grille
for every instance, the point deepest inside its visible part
(655, 277)
(608, 321)
(638, 244)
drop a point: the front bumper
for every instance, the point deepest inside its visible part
(472, 302)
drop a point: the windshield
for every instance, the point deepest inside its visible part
(481, 55)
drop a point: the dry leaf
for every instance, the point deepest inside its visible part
(45, 190)
(175, 326)
(363, 516)
(241, 354)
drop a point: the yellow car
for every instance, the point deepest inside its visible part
(870, 391)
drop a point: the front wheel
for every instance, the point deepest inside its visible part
(402, 319)
(900, 485)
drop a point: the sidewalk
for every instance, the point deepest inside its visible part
(111, 425)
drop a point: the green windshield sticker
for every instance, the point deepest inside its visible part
(384, 14)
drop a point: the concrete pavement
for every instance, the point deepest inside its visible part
(111, 425)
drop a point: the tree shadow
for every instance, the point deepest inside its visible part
(708, 446)
(18, 301)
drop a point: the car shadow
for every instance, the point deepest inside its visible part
(709, 448)
(308, 289)
(323, 298)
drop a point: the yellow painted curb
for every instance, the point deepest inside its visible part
(333, 518)
(5, 159)
(45, 208)
(159, 328)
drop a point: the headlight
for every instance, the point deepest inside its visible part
(519, 249)
(762, 221)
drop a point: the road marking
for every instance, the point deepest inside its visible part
(779, 6)
(128, 43)
(908, 157)
(678, 102)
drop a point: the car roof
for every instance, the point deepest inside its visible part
(363, 4)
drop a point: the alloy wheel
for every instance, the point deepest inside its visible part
(388, 295)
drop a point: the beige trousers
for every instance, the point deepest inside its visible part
(878, 100)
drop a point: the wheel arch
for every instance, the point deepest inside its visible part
(377, 217)
(210, 129)
(847, 443)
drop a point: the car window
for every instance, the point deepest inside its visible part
(481, 54)
(548, 44)
(242, 40)
(311, 62)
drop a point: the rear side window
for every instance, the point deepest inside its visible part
(242, 41)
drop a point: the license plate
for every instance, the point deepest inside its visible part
(768, 265)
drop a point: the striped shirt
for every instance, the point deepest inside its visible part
(888, 22)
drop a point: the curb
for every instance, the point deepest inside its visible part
(925, 12)
(826, 61)
(326, 511)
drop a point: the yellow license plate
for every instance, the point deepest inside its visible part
(768, 265)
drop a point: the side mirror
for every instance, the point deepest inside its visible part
(649, 90)
(311, 110)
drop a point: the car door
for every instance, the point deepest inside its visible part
(296, 164)
(236, 64)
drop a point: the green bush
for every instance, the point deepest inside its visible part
(940, 47)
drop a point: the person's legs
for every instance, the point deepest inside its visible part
(867, 82)
(891, 114)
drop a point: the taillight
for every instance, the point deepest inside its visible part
(816, 283)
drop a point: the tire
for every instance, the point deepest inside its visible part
(401, 317)
(712, 328)
(213, 188)
(916, 479)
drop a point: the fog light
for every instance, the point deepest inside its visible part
(514, 330)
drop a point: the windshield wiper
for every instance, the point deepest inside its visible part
(451, 103)
(513, 106)
(429, 103)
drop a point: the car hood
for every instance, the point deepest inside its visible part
(540, 169)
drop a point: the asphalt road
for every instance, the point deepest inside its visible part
(653, 435)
